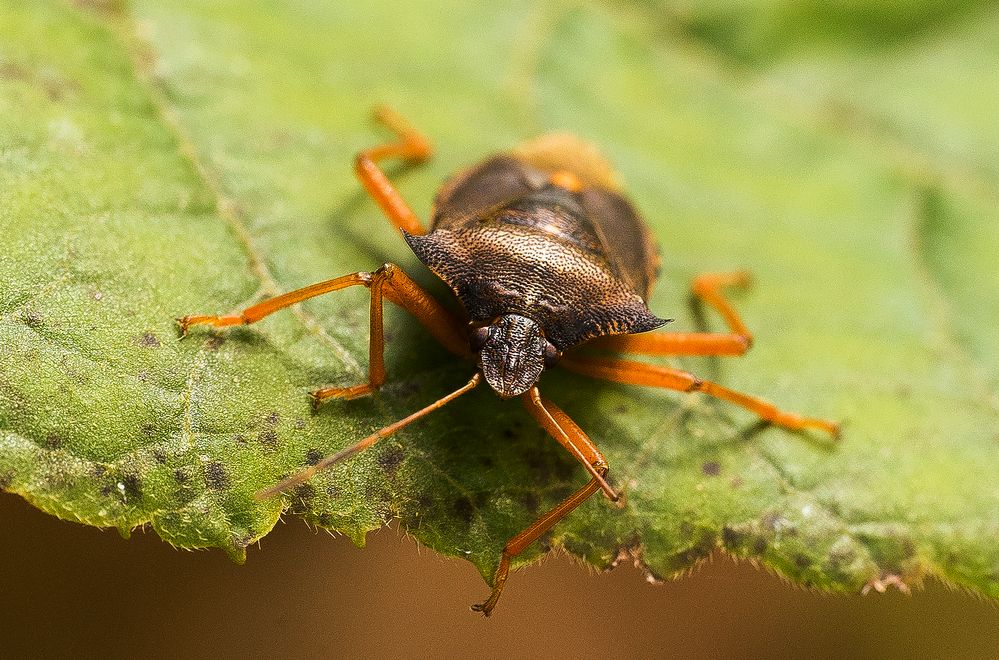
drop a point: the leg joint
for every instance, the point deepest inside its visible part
(385, 272)
(363, 160)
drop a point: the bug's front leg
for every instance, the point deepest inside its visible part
(561, 427)
(390, 282)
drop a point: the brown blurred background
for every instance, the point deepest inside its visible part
(74, 591)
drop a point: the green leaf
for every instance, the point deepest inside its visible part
(161, 159)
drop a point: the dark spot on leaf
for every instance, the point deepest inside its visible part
(313, 456)
(620, 409)
(508, 433)
(325, 520)
(530, 501)
(268, 438)
(299, 424)
(148, 340)
(711, 468)
(759, 545)
(482, 498)
(301, 498)
(52, 441)
(241, 439)
(545, 541)
(736, 482)
(180, 476)
(6, 479)
(487, 461)
(703, 547)
(143, 376)
(215, 476)
(424, 503)
(106, 490)
(149, 430)
(272, 418)
(99, 470)
(801, 561)
(731, 537)
(214, 342)
(132, 486)
(333, 490)
(32, 319)
(463, 509)
(390, 459)
(159, 456)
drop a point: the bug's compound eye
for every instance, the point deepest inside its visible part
(479, 338)
(552, 355)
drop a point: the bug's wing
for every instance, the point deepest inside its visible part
(627, 242)
(474, 191)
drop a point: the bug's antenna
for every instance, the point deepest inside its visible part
(311, 471)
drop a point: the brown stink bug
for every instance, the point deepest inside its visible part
(544, 254)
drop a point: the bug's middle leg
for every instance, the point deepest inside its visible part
(390, 282)
(561, 427)
(640, 373)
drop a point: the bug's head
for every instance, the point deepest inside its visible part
(512, 352)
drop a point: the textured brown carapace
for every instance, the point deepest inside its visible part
(548, 260)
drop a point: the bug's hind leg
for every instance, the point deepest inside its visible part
(708, 287)
(411, 146)
(390, 282)
(639, 373)
(561, 427)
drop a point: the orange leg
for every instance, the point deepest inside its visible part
(388, 281)
(309, 472)
(708, 287)
(411, 146)
(561, 427)
(639, 373)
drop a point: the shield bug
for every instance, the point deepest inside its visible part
(545, 255)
